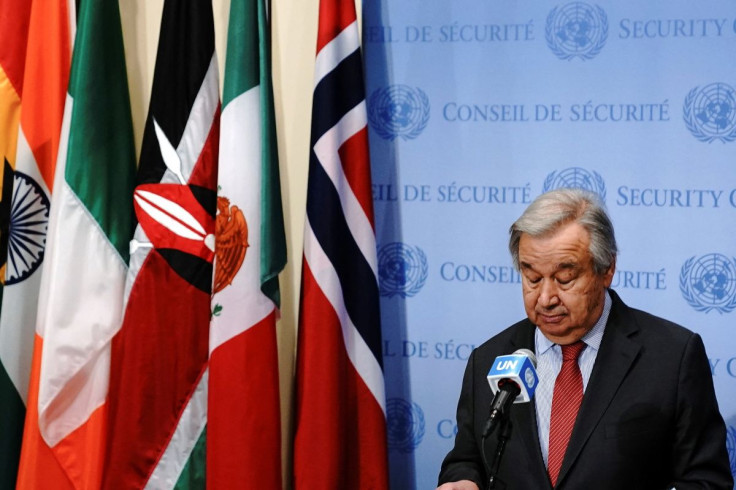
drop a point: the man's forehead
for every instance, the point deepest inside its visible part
(572, 263)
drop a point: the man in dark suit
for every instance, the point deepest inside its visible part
(646, 415)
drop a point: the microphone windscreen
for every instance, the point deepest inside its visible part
(527, 353)
(519, 367)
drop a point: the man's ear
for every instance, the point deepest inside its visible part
(608, 273)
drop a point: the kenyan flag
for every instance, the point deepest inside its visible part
(158, 374)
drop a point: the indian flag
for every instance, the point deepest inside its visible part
(46, 73)
(81, 293)
(13, 363)
(243, 428)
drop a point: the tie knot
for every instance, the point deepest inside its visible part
(572, 351)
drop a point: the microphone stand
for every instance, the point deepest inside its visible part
(500, 408)
(503, 437)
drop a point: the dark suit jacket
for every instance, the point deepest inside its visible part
(649, 418)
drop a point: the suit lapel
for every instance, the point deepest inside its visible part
(615, 357)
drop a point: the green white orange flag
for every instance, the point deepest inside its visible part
(46, 74)
(158, 376)
(81, 294)
(243, 429)
(14, 16)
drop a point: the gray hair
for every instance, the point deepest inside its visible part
(553, 209)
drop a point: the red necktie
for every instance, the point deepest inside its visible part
(566, 398)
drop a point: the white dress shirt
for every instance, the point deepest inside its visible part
(549, 363)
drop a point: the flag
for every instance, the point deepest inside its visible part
(46, 73)
(243, 429)
(14, 18)
(80, 300)
(158, 374)
(340, 403)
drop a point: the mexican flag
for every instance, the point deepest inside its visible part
(81, 293)
(243, 430)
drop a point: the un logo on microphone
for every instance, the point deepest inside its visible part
(402, 269)
(576, 178)
(576, 30)
(709, 283)
(710, 112)
(405, 425)
(398, 111)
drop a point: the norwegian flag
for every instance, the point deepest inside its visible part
(340, 414)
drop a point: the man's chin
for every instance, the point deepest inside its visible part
(558, 332)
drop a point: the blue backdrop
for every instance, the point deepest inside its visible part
(478, 106)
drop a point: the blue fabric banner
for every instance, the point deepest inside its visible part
(477, 107)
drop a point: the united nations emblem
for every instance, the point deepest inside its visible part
(710, 112)
(398, 110)
(709, 283)
(402, 269)
(731, 446)
(529, 377)
(29, 219)
(576, 178)
(405, 425)
(576, 30)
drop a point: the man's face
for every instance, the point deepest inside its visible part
(563, 296)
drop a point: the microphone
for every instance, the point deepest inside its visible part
(513, 379)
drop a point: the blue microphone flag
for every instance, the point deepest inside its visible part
(519, 367)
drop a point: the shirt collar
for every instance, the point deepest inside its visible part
(592, 338)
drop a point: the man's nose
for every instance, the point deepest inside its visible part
(548, 295)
